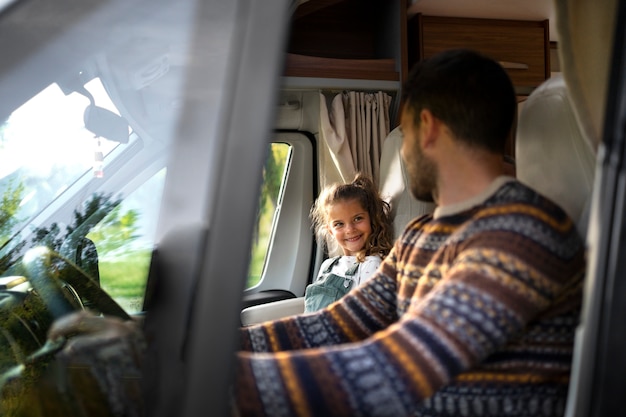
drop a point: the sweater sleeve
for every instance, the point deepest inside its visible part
(360, 313)
(484, 298)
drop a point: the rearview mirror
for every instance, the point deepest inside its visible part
(104, 123)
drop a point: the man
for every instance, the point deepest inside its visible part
(474, 310)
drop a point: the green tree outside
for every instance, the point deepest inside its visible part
(9, 206)
(273, 178)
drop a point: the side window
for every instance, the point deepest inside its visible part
(274, 176)
(124, 240)
(283, 240)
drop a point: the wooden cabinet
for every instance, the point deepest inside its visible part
(522, 47)
(348, 39)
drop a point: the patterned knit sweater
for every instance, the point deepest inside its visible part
(473, 313)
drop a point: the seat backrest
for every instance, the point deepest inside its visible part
(394, 185)
(551, 153)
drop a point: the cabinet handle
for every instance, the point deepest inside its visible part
(513, 65)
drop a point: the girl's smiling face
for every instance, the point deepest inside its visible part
(350, 225)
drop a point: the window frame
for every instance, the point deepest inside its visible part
(292, 243)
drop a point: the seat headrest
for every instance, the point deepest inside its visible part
(552, 155)
(394, 185)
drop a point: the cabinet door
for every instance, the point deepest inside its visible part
(521, 46)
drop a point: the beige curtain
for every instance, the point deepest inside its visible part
(353, 127)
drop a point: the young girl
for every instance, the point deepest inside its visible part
(358, 221)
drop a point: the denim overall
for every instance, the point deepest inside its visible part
(328, 288)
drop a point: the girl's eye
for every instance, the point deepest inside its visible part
(358, 219)
(338, 225)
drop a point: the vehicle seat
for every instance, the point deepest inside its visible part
(394, 185)
(551, 153)
(272, 311)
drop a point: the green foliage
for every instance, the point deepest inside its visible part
(94, 211)
(116, 232)
(49, 237)
(125, 278)
(260, 247)
(123, 268)
(10, 204)
(273, 177)
(103, 221)
(273, 173)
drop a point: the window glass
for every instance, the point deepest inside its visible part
(40, 161)
(85, 132)
(124, 242)
(46, 169)
(274, 176)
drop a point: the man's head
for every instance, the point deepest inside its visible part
(468, 93)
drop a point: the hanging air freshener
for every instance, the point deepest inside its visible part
(98, 160)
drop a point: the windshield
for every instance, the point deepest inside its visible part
(40, 161)
(85, 137)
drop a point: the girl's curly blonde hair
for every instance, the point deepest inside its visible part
(364, 191)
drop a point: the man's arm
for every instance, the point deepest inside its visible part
(360, 313)
(483, 302)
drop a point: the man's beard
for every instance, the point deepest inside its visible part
(422, 176)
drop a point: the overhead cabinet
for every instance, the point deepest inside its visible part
(348, 39)
(522, 47)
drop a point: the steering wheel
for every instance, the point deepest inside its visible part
(46, 269)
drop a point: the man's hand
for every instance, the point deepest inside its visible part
(83, 330)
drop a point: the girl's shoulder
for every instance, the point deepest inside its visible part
(328, 261)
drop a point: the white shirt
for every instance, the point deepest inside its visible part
(365, 271)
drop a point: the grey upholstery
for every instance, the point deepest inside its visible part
(272, 311)
(552, 154)
(394, 185)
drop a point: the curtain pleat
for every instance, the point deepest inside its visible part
(352, 134)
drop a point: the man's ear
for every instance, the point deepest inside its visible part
(429, 126)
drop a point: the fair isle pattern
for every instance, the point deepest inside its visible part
(459, 400)
(472, 314)
(473, 321)
(275, 403)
